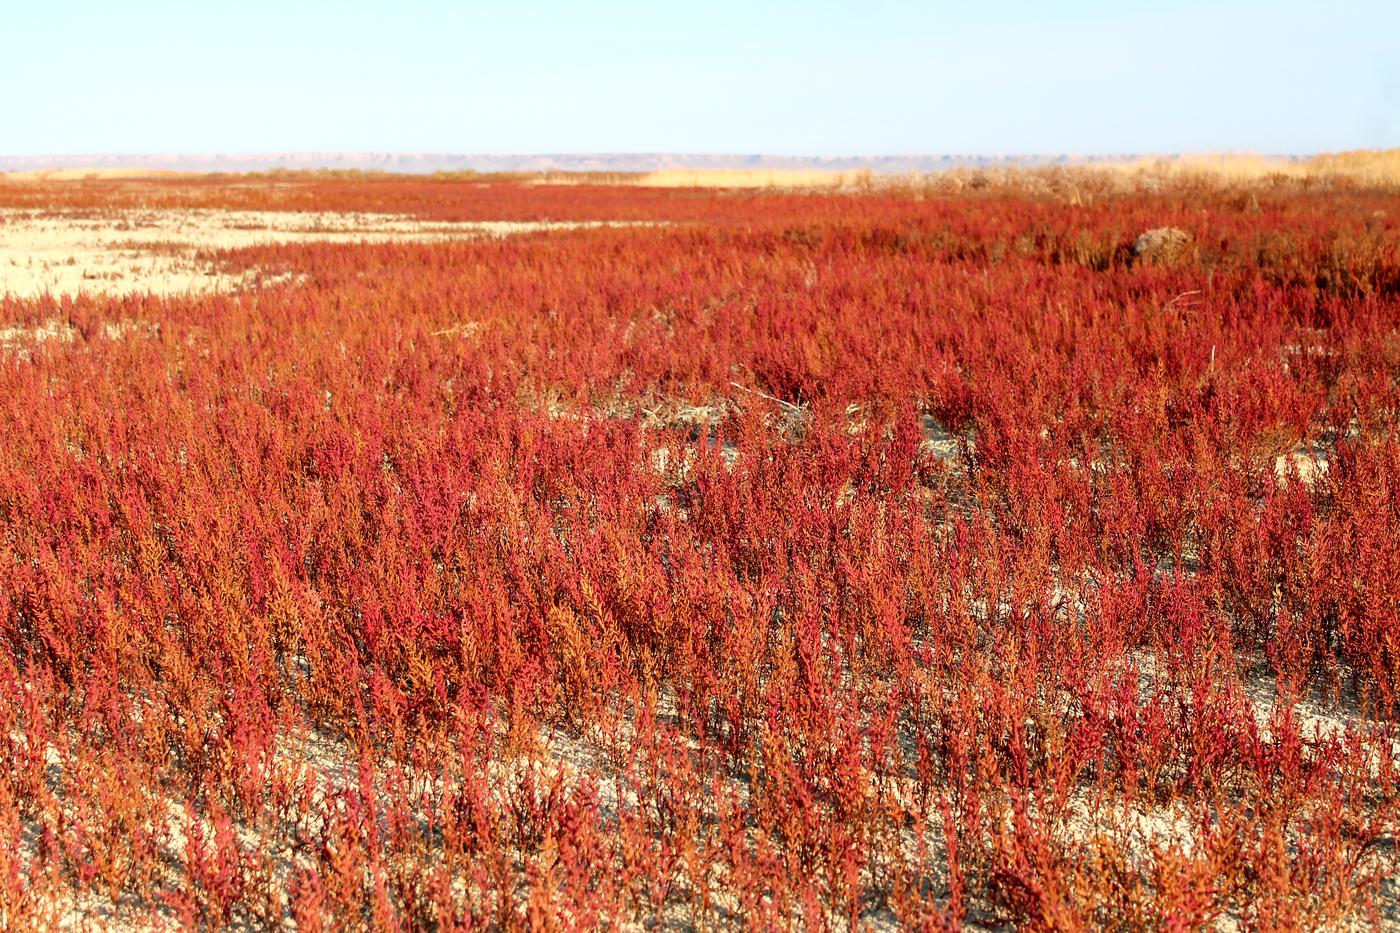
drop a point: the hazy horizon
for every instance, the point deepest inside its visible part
(424, 163)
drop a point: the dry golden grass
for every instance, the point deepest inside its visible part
(1366, 168)
(1086, 181)
(1373, 167)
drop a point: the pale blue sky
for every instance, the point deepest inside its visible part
(812, 78)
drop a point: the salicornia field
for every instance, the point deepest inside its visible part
(901, 557)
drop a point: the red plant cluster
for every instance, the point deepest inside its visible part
(818, 560)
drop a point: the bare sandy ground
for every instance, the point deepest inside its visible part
(125, 252)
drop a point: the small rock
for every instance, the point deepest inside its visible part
(1162, 244)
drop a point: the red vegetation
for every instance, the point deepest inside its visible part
(817, 559)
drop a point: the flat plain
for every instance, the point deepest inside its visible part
(1013, 549)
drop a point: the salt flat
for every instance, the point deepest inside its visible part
(165, 251)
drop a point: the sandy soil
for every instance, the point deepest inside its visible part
(125, 252)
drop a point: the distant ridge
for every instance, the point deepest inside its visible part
(424, 163)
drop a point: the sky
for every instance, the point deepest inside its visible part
(876, 77)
